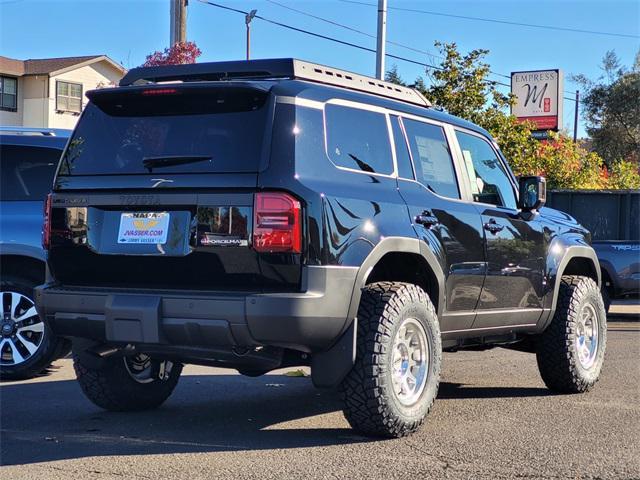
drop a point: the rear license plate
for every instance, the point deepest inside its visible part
(143, 227)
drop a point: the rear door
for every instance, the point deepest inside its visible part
(157, 188)
(449, 225)
(515, 247)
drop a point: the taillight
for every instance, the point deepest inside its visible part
(160, 91)
(46, 226)
(276, 223)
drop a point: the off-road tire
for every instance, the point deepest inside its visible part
(48, 349)
(370, 405)
(556, 353)
(111, 387)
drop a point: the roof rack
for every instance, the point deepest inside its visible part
(272, 69)
(47, 132)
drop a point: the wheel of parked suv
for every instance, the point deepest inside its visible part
(395, 379)
(27, 344)
(570, 352)
(125, 384)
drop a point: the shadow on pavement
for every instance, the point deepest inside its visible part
(52, 420)
(450, 391)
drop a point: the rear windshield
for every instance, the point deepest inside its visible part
(169, 130)
(26, 173)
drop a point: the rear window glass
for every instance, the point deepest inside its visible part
(26, 173)
(186, 130)
(358, 139)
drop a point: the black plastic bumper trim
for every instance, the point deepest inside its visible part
(309, 321)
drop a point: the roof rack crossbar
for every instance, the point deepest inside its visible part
(273, 69)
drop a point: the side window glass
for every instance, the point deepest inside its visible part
(358, 139)
(405, 170)
(27, 172)
(489, 180)
(432, 158)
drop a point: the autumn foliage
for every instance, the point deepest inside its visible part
(178, 54)
(461, 85)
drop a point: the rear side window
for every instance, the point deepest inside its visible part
(432, 158)
(26, 173)
(358, 139)
(178, 130)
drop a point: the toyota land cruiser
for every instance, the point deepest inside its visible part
(270, 213)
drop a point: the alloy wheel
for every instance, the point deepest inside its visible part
(586, 341)
(410, 361)
(21, 330)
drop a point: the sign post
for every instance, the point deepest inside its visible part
(538, 99)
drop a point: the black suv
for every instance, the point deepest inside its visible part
(270, 213)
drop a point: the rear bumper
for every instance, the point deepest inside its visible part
(309, 321)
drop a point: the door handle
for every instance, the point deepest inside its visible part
(427, 219)
(492, 226)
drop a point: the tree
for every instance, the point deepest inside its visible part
(178, 54)
(461, 86)
(611, 108)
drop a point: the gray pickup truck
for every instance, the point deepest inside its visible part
(620, 265)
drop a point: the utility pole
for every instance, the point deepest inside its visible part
(575, 117)
(382, 38)
(178, 22)
(247, 21)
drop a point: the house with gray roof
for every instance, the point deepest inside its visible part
(50, 92)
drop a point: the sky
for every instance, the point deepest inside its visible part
(128, 30)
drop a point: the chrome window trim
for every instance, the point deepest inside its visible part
(365, 107)
(462, 178)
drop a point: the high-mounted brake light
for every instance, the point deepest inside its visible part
(46, 225)
(276, 223)
(160, 91)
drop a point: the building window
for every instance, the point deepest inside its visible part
(9, 94)
(68, 97)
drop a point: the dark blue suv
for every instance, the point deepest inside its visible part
(28, 161)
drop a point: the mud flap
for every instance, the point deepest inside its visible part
(329, 368)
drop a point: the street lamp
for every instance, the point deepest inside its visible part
(247, 20)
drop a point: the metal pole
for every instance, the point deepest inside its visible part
(575, 117)
(172, 22)
(248, 40)
(382, 38)
(247, 21)
(178, 22)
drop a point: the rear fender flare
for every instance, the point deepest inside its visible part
(328, 368)
(397, 245)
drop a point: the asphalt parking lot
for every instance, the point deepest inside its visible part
(493, 419)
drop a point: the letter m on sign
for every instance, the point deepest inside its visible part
(533, 95)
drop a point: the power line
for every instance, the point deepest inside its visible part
(342, 42)
(504, 22)
(352, 29)
(319, 35)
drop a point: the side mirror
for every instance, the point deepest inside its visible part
(533, 193)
